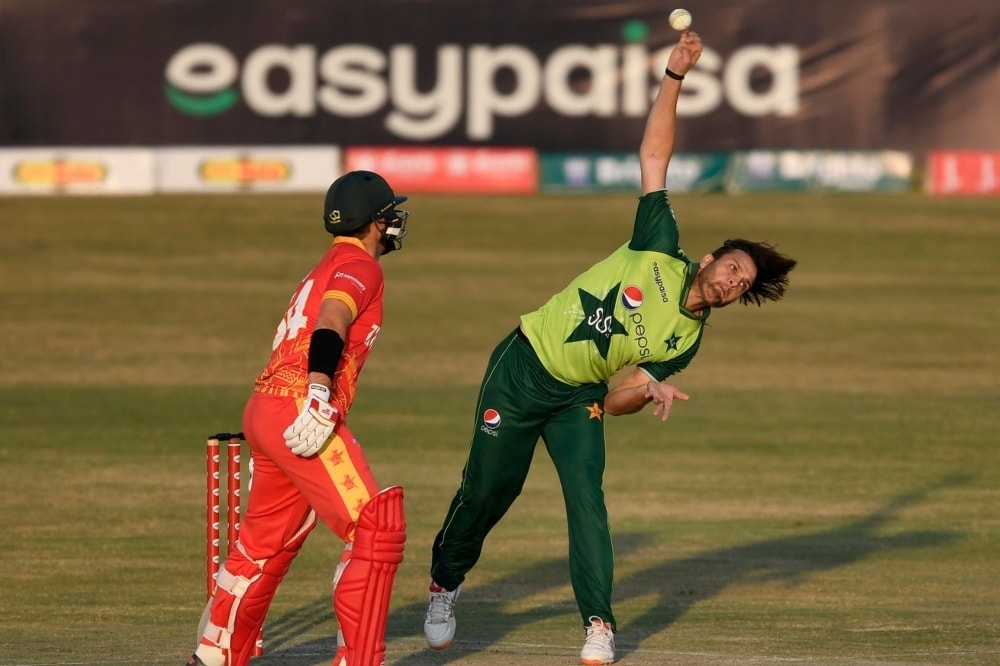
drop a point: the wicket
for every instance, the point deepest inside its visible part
(233, 487)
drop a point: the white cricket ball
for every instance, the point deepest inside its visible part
(680, 19)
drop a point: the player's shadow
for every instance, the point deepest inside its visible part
(491, 617)
(491, 621)
(678, 584)
(681, 584)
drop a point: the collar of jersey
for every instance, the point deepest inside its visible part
(692, 270)
(348, 239)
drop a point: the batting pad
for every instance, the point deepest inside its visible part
(361, 600)
(243, 593)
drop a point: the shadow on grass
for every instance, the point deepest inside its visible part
(791, 560)
(680, 584)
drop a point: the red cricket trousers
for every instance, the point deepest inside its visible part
(336, 483)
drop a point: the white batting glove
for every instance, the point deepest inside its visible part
(315, 423)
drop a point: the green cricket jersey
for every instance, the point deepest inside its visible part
(625, 310)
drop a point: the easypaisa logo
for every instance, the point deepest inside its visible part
(360, 80)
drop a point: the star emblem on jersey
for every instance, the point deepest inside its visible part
(595, 411)
(599, 322)
(672, 341)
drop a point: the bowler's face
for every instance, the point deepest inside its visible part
(722, 281)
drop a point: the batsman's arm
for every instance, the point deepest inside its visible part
(661, 125)
(336, 316)
(318, 414)
(637, 390)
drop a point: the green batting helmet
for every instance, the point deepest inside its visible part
(355, 199)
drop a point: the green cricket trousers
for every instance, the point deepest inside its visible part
(520, 402)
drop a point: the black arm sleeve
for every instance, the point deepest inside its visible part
(325, 349)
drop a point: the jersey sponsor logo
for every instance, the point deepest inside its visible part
(639, 334)
(658, 279)
(350, 278)
(632, 297)
(491, 421)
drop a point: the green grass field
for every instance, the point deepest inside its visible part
(830, 494)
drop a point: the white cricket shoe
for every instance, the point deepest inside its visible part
(599, 649)
(439, 625)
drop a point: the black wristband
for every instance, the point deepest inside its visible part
(325, 349)
(674, 75)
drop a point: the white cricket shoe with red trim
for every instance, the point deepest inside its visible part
(599, 649)
(439, 625)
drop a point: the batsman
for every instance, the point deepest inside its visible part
(308, 467)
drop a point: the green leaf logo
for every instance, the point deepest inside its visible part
(201, 105)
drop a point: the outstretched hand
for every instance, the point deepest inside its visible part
(686, 53)
(662, 396)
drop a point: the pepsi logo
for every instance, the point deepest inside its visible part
(632, 297)
(491, 418)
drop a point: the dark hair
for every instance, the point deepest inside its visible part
(772, 269)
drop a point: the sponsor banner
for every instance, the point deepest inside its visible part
(688, 172)
(76, 171)
(558, 76)
(450, 170)
(963, 172)
(247, 169)
(813, 170)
